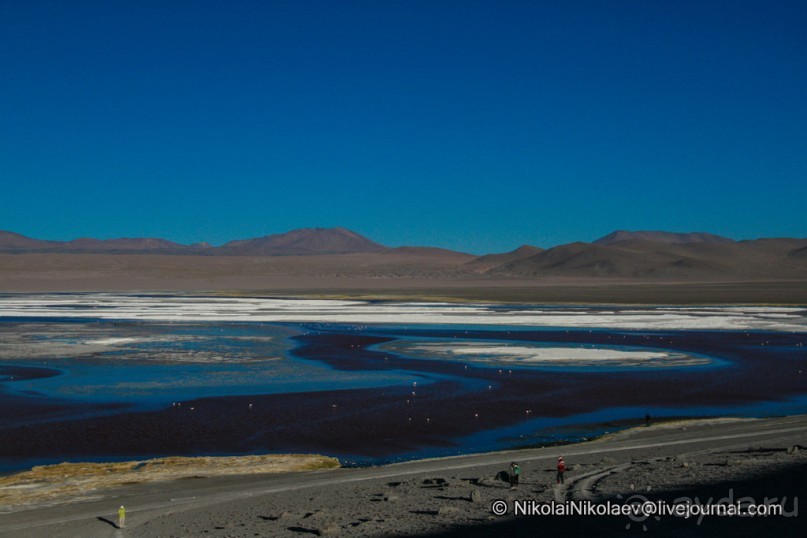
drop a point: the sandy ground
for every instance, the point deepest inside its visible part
(695, 460)
(51, 484)
(364, 276)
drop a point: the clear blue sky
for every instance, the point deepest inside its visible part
(473, 125)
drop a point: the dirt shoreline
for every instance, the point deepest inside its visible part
(755, 458)
(350, 277)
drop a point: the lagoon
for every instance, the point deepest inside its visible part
(106, 377)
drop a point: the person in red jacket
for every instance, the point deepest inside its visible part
(561, 469)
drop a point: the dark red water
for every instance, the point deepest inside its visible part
(453, 407)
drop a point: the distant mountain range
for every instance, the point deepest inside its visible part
(621, 254)
(661, 237)
(303, 242)
(665, 255)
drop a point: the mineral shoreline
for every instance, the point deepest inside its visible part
(754, 459)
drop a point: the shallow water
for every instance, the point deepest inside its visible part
(117, 387)
(151, 365)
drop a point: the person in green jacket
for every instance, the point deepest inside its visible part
(515, 472)
(121, 517)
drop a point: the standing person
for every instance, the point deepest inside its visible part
(121, 517)
(515, 472)
(561, 469)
